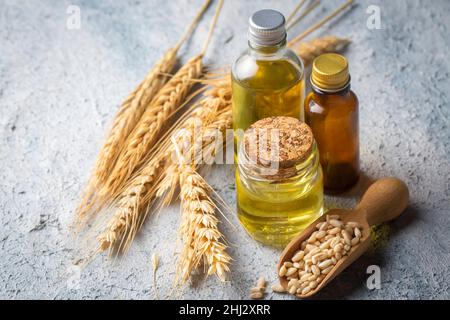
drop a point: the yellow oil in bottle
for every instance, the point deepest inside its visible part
(277, 88)
(274, 211)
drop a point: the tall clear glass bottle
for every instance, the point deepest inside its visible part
(268, 78)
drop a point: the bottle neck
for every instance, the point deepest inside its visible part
(251, 170)
(341, 91)
(265, 49)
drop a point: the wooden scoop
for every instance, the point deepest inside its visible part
(385, 200)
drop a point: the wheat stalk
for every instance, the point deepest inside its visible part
(215, 101)
(142, 139)
(319, 24)
(309, 50)
(166, 103)
(136, 198)
(129, 114)
(307, 11)
(294, 12)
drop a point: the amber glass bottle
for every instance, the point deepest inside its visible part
(331, 110)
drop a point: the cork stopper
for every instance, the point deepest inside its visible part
(280, 141)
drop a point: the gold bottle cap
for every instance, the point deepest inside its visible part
(330, 72)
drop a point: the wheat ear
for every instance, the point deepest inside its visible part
(309, 50)
(127, 117)
(202, 240)
(134, 200)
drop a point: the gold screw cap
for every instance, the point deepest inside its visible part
(330, 72)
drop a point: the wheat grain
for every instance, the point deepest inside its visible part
(278, 288)
(259, 291)
(318, 261)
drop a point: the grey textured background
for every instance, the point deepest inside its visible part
(60, 88)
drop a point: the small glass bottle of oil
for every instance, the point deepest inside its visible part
(278, 180)
(268, 78)
(332, 112)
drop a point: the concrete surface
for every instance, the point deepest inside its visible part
(60, 88)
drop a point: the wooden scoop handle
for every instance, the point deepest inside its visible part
(385, 200)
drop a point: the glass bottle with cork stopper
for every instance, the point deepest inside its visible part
(332, 112)
(268, 78)
(278, 180)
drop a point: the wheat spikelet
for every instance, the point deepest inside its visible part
(202, 240)
(128, 116)
(309, 50)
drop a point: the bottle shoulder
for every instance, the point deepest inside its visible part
(354, 97)
(250, 62)
(348, 101)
